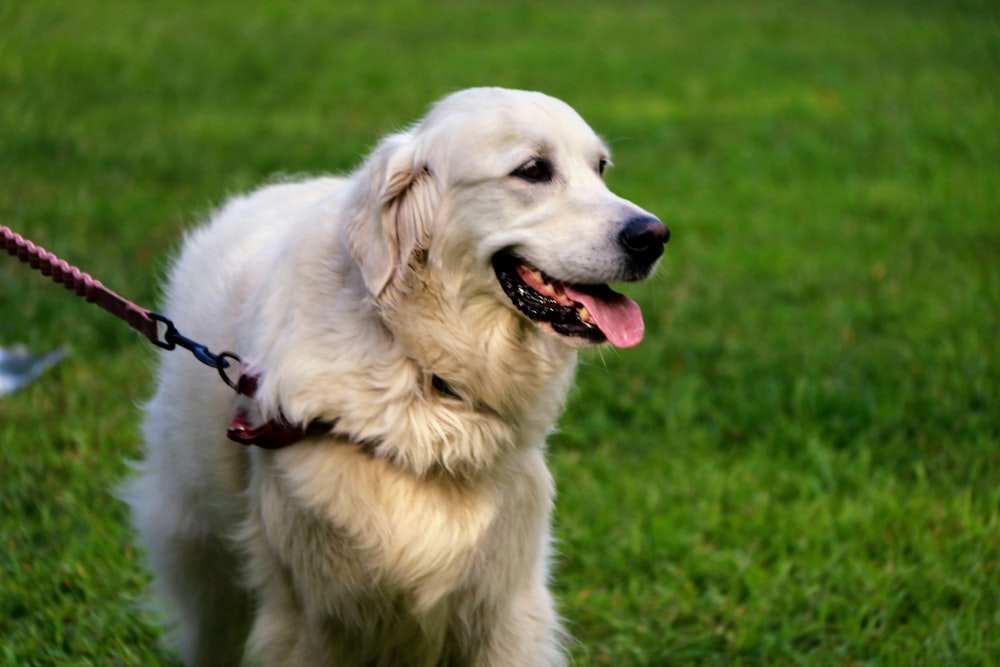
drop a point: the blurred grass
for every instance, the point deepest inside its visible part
(801, 463)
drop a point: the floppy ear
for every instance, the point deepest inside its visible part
(390, 211)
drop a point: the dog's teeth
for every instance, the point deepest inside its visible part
(585, 314)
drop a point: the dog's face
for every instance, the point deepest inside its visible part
(504, 190)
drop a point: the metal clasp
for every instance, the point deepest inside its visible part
(171, 338)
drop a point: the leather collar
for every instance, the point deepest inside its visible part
(279, 432)
(273, 434)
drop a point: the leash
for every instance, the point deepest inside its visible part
(162, 332)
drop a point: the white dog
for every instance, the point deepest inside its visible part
(415, 324)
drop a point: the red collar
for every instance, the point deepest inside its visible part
(273, 434)
(279, 432)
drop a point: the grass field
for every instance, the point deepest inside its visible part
(801, 463)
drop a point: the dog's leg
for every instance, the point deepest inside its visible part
(525, 633)
(195, 577)
(529, 634)
(275, 634)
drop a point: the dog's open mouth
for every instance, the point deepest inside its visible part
(594, 312)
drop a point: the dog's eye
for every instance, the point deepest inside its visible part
(537, 170)
(602, 165)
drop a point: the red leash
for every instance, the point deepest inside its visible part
(144, 321)
(73, 278)
(161, 332)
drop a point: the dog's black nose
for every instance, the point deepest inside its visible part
(643, 238)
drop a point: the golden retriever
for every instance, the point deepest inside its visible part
(426, 309)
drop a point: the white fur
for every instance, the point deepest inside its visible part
(429, 544)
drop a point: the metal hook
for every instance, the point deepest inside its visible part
(172, 338)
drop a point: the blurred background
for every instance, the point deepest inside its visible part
(800, 464)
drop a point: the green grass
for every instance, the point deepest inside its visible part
(801, 463)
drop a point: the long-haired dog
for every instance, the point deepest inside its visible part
(426, 309)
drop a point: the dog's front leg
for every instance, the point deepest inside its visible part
(526, 633)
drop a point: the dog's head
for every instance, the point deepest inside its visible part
(502, 192)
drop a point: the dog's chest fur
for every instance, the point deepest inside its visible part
(391, 552)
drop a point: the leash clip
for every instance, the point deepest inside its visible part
(171, 338)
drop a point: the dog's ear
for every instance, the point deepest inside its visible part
(390, 212)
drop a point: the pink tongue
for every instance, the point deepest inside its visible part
(618, 317)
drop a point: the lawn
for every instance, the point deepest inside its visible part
(801, 463)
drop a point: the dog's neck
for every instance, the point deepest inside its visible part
(486, 352)
(377, 383)
(509, 379)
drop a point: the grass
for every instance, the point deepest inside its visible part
(801, 463)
